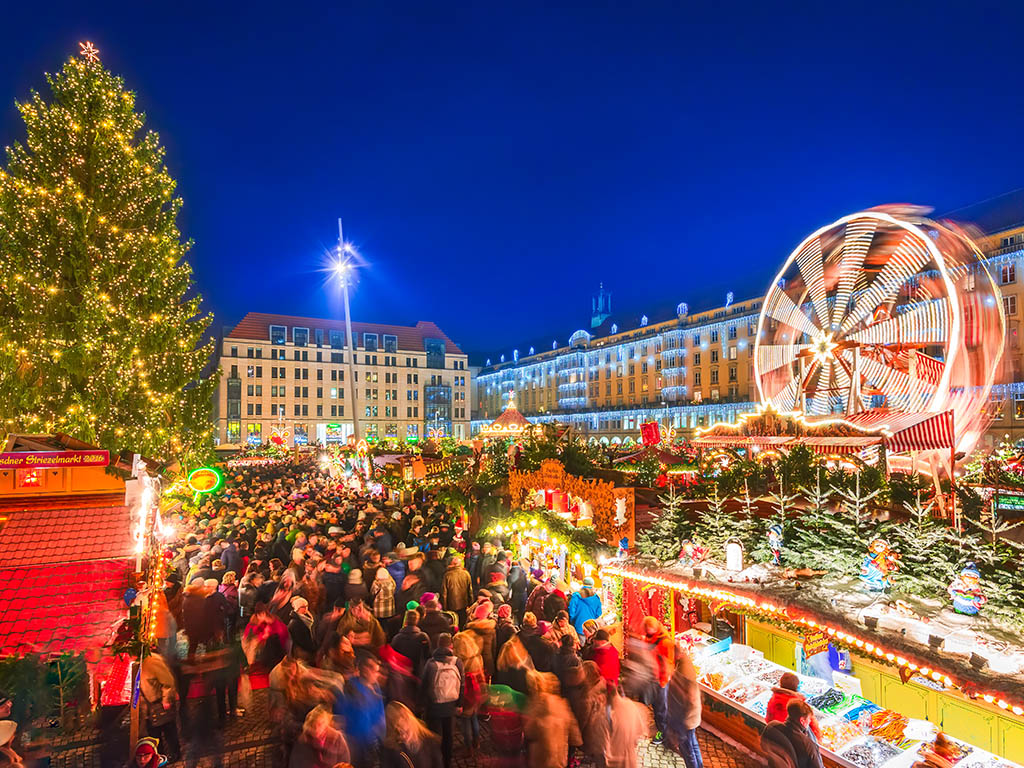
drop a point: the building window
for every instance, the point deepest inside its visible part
(234, 352)
(714, 355)
(370, 342)
(412, 431)
(318, 334)
(732, 373)
(696, 358)
(337, 357)
(1008, 274)
(250, 371)
(234, 431)
(714, 337)
(696, 378)
(390, 343)
(1010, 305)
(696, 339)
(278, 334)
(1018, 405)
(337, 340)
(300, 337)
(732, 331)
(254, 434)
(435, 352)
(714, 375)
(732, 353)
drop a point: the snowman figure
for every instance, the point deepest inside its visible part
(965, 590)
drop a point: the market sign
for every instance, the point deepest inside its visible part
(53, 459)
(205, 480)
(650, 433)
(814, 643)
(1009, 502)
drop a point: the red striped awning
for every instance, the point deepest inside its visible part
(742, 441)
(840, 445)
(909, 431)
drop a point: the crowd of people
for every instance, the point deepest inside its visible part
(381, 631)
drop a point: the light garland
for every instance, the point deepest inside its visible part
(782, 613)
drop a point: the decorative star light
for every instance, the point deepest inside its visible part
(89, 51)
(823, 346)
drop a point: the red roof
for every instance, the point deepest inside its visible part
(256, 326)
(55, 608)
(51, 536)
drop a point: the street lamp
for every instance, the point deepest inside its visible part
(344, 270)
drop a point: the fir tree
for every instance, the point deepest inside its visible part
(928, 561)
(748, 525)
(714, 526)
(103, 332)
(820, 533)
(782, 504)
(664, 538)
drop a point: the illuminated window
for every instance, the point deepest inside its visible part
(29, 478)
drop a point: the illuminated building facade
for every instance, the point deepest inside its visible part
(686, 370)
(289, 375)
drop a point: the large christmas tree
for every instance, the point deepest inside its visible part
(102, 333)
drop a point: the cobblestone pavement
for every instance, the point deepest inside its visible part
(245, 743)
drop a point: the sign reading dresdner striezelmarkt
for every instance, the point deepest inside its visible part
(53, 459)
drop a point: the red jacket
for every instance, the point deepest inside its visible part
(777, 704)
(607, 660)
(662, 656)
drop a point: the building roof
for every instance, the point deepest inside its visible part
(256, 327)
(996, 214)
(509, 422)
(56, 608)
(47, 536)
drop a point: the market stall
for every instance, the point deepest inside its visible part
(881, 696)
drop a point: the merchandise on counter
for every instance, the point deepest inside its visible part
(963, 750)
(745, 690)
(714, 680)
(870, 753)
(812, 686)
(837, 732)
(772, 676)
(831, 701)
(756, 666)
(888, 726)
(862, 714)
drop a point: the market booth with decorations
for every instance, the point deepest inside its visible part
(877, 344)
(883, 680)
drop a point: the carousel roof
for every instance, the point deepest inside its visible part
(510, 422)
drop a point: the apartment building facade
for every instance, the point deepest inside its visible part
(687, 370)
(296, 378)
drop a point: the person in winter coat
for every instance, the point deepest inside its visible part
(560, 628)
(320, 745)
(408, 743)
(497, 588)
(443, 686)
(362, 706)
(606, 656)
(626, 728)
(564, 661)
(584, 604)
(229, 588)
(782, 694)
(555, 603)
(412, 642)
(434, 622)
(367, 631)
(356, 589)
(247, 594)
(519, 587)
(504, 629)
(684, 710)
(483, 629)
(382, 590)
(467, 648)
(540, 650)
(159, 702)
(300, 629)
(660, 643)
(198, 628)
(795, 732)
(550, 726)
(535, 602)
(456, 589)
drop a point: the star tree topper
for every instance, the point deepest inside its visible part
(89, 51)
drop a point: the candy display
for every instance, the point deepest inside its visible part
(744, 691)
(755, 666)
(837, 732)
(714, 680)
(961, 750)
(870, 753)
(772, 676)
(813, 686)
(862, 714)
(830, 701)
(888, 726)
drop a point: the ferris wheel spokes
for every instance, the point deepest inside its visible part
(907, 260)
(857, 240)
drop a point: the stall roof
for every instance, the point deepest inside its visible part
(910, 431)
(664, 457)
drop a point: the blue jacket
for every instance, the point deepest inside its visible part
(363, 710)
(582, 609)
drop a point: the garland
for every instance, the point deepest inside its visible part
(578, 541)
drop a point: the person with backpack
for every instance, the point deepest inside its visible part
(443, 684)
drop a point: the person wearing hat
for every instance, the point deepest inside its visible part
(145, 755)
(382, 591)
(355, 590)
(584, 604)
(300, 629)
(8, 728)
(456, 589)
(483, 629)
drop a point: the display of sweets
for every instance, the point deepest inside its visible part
(745, 690)
(832, 701)
(772, 676)
(960, 750)
(759, 705)
(862, 714)
(870, 753)
(755, 666)
(836, 733)
(812, 686)
(888, 726)
(714, 680)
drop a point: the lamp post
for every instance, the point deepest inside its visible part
(343, 270)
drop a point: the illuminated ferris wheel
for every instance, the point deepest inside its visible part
(882, 309)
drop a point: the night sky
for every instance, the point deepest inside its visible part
(495, 161)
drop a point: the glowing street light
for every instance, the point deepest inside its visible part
(344, 270)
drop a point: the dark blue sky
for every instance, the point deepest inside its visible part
(494, 161)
